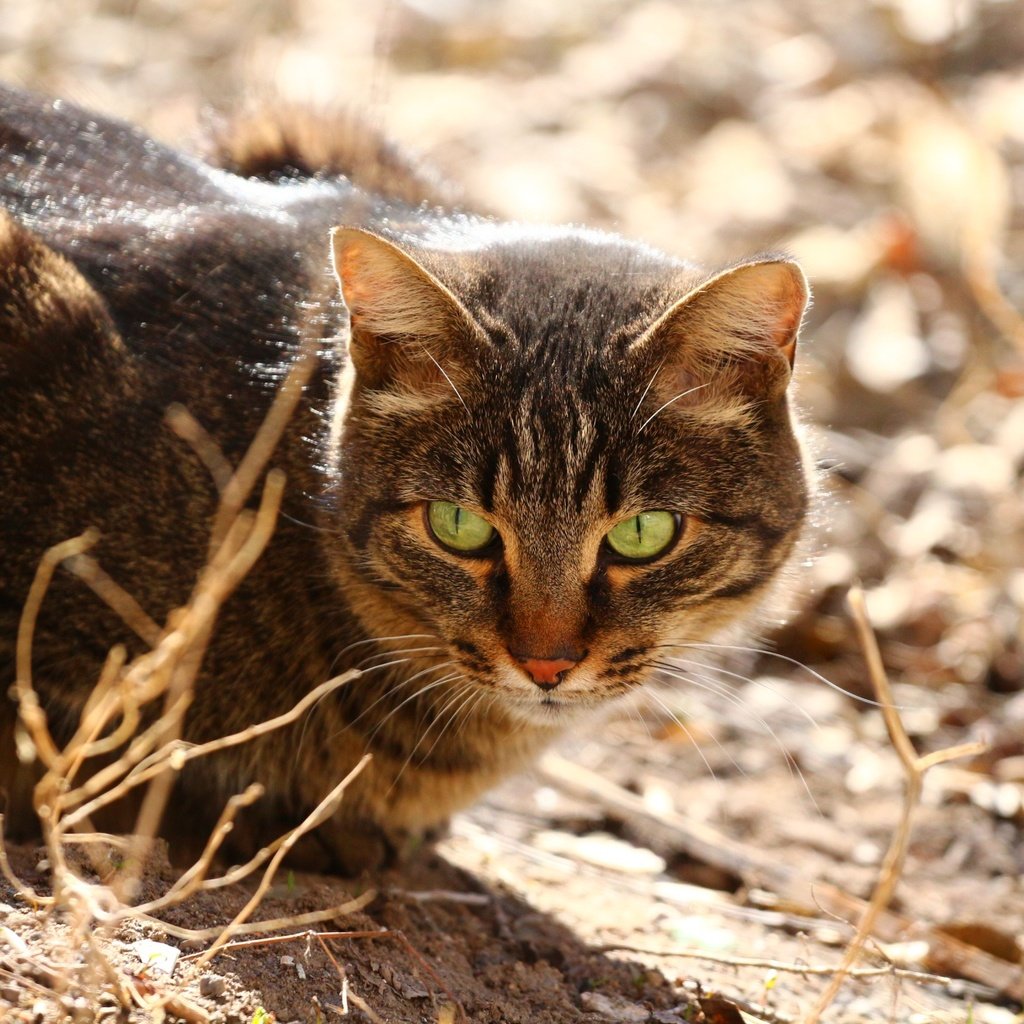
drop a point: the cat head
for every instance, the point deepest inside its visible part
(561, 453)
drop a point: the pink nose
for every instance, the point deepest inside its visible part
(546, 672)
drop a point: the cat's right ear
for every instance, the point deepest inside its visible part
(403, 320)
(734, 334)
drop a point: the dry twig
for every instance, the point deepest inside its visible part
(787, 967)
(914, 768)
(154, 755)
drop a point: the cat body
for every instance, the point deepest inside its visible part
(502, 417)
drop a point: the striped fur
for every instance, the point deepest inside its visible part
(553, 380)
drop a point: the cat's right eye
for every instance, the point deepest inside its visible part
(458, 529)
(645, 536)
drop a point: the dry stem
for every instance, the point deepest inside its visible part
(316, 817)
(782, 966)
(155, 755)
(914, 768)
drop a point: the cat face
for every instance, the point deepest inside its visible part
(560, 453)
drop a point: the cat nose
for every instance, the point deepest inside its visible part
(546, 672)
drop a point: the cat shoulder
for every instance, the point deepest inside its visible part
(54, 326)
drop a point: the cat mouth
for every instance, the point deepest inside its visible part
(547, 708)
(545, 712)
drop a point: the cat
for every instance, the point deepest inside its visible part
(531, 462)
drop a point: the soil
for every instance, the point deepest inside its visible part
(534, 907)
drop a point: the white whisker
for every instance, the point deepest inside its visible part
(446, 377)
(451, 677)
(750, 680)
(455, 696)
(789, 661)
(650, 384)
(389, 639)
(689, 735)
(401, 685)
(711, 687)
(402, 651)
(682, 394)
(467, 701)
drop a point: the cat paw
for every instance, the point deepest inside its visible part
(347, 848)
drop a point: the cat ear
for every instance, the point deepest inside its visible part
(735, 333)
(54, 327)
(403, 320)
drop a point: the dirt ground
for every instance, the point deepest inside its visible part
(883, 144)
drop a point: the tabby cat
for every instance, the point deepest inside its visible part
(531, 461)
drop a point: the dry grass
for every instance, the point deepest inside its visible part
(137, 711)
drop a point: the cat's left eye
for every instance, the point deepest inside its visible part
(458, 529)
(644, 536)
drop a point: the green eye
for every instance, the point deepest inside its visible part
(643, 536)
(458, 528)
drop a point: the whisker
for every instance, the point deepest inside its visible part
(413, 696)
(689, 735)
(309, 526)
(308, 717)
(709, 686)
(365, 672)
(445, 375)
(388, 639)
(722, 670)
(466, 705)
(457, 695)
(379, 640)
(650, 384)
(636, 716)
(402, 650)
(682, 394)
(392, 690)
(789, 661)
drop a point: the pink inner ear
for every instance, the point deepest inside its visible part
(787, 324)
(355, 291)
(785, 336)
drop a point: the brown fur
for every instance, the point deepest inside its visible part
(282, 140)
(553, 381)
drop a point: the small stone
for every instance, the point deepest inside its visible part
(981, 468)
(884, 350)
(76, 1008)
(18, 919)
(156, 956)
(602, 850)
(212, 986)
(617, 1010)
(10, 994)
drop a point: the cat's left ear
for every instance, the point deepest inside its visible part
(738, 330)
(405, 325)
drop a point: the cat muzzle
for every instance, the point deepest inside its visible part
(547, 672)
